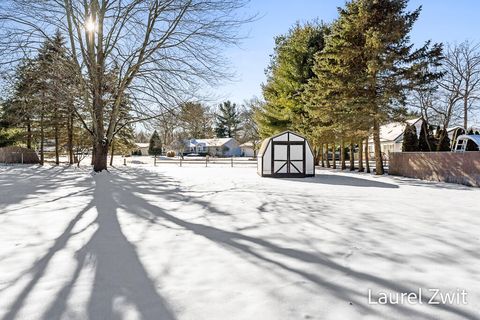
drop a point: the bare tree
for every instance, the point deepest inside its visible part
(249, 131)
(456, 94)
(161, 50)
(464, 59)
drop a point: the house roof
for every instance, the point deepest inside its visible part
(460, 127)
(247, 145)
(215, 142)
(393, 130)
(453, 128)
(142, 145)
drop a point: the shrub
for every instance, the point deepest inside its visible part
(171, 154)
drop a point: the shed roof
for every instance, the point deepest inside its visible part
(265, 142)
(264, 146)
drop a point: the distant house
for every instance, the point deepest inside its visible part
(141, 148)
(247, 149)
(391, 136)
(219, 147)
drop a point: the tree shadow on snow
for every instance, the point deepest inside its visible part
(339, 180)
(118, 271)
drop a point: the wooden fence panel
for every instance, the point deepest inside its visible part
(461, 167)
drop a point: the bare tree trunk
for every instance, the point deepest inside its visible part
(360, 156)
(111, 155)
(326, 153)
(42, 138)
(334, 157)
(378, 151)
(29, 134)
(322, 159)
(57, 153)
(367, 156)
(100, 159)
(70, 138)
(342, 155)
(352, 157)
(465, 112)
(93, 154)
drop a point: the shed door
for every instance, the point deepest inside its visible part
(288, 158)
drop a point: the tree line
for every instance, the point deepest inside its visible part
(338, 83)
(130, 60)
(44, 107)
(196, 120)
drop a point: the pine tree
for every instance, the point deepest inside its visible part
(228, 120)
(155, 145)
(368, 65)
(426, 140)
(410, 139)
(289, 71)
(443, 142)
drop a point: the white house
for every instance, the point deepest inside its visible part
(391, 136)
(142, 148)
(247, 149)
(220, 147)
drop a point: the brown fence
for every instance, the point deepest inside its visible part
(18, 155)
(461, 168)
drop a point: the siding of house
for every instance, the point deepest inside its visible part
(247, 151)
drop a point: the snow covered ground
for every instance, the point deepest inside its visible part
(222, 243)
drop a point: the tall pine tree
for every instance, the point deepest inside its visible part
(228, 120)
(369, 65)
(289, 71)
(155, 145)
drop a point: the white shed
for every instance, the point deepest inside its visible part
(287, 154)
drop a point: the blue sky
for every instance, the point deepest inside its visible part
(440, 21)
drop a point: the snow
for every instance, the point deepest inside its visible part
(169, 242)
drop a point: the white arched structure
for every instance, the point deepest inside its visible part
(463, 140)
(287, 154)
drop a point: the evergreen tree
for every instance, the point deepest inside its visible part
(426, 140)
(155, 146)
(228, 120)
(289, 71)
(443, 143)
(410, 139)
(368, 65)
(21, 109)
